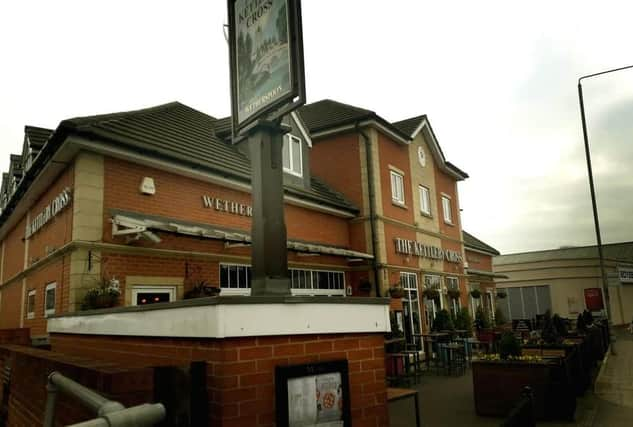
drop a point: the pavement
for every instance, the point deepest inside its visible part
(448, 401)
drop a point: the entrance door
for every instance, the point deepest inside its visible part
(411, 306)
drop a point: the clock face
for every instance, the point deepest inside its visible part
(421, 156)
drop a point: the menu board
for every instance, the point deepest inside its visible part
(320, 398)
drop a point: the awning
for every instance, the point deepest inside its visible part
(139, 226)
(472, 271)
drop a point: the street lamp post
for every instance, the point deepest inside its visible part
(605, 283)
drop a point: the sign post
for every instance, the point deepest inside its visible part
(267, 82)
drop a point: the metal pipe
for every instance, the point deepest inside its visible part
(372, 208)
(605, 282)
(51, 401)
(89, 398)
(137, 416)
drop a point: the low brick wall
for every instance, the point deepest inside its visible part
(30, 368)
(19, 336)
(240, 371)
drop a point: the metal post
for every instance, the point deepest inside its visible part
(269, 246)
(605, 282)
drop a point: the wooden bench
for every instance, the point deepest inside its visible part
(402, 393)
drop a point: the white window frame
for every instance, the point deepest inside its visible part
(397, 187)
(234, 290)
(141, 289)
(409, 282)
(30, 311)
(448, 213)
(425, 196)
(332, 291)
(438, 287)
(50, 311)
(296, 170)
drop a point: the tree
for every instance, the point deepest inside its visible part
(463, 321)
(443, 321)
(500, 319)
(481, 319)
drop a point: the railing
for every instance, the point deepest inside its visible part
(522, 415)
(110, 413)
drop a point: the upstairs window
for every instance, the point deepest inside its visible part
(425, 201)
(446, 207)
(292, 155)
(49, 299)
(30, 304)
(397, 188)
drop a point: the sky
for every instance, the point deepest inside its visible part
(497, 80)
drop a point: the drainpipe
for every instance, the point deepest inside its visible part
(372, 206)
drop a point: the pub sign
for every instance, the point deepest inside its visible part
(266, 56)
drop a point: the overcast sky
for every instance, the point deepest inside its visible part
(497, 80)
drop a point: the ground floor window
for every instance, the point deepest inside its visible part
(452, 284)
(236, 279)
(525, 302)
(411, 306)
(49, 299)
(144, 295)
(30, 304)
(475, 303)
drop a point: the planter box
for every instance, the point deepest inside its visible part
(498, 384)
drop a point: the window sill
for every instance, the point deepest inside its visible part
(449, 223)
(30, 316)
(427, 215)
(398, 204)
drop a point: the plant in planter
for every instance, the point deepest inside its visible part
(443, 321)
(481, 319)
(475, 293)
(463, 321)
(104, 295)
(509, 346)
(550, 333)
(202, 289)
(453, 293)
(502, 294)
(396, 291)
(431, 293)
(500, 319)
(581, 326)
(364, 286)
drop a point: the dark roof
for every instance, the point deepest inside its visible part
(15, 165)
(5, 182)
(37, 136)
(622, 251)
(472, 242)
(328, 114)
(408, 126)
(177, 132)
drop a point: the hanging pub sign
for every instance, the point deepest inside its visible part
(266, 56)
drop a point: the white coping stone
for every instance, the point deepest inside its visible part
(231, 320)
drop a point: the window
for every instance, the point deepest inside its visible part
(397, 188)
(49, 299)
(452, 283)
(292, 155)
(235, 279)
(30, 304)
(317, 282)
(411, 306)
(446, 207)
(144, 295)
(425, 201)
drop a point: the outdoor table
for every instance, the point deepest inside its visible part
(403, 393)
(451, 359)
(429, 340)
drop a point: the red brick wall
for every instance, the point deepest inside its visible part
(53, 272)
(14, 251)
(337, 162)
(447, 185)
(29, 372)
(393, 231)
(397, 155)
(240, 371)
(479, 261)
(11, 305)
(179, 197)
(58, 230)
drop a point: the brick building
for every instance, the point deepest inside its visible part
(158, 201)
